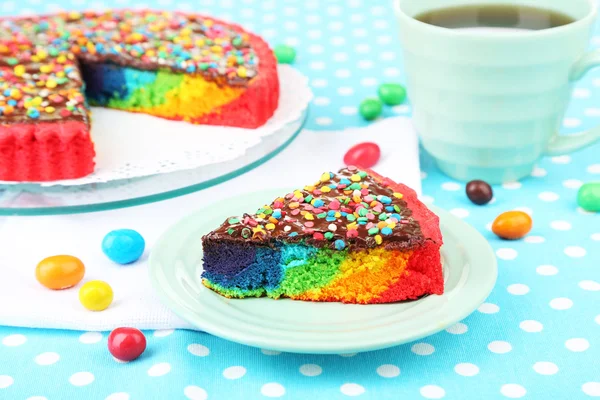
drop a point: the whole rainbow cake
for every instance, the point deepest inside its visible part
(352, 237)
(167, 64)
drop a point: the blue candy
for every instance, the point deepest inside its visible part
(386, 231)
(318, 203)
(123, 246)
(340, 244)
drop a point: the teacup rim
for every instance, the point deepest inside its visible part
(590, 17)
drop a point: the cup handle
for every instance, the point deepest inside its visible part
(563, 144)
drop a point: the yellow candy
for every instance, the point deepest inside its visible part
(96, 295)
(325, 177)
(325, 189)
(61, 59)
(378, 239)
(19, 70)
(241, 71)
(49, 109)
(355, 178)
(270, 226)
(398, 195)
(309, 216)
(46, 68)
(51, 84)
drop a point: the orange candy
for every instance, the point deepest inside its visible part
(60, 272)
(512, 225)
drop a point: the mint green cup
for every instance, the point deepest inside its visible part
(489, 105)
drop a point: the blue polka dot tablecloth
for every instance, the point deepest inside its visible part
(536, 337)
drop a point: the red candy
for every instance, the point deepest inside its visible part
(364, 155)
(126, 344)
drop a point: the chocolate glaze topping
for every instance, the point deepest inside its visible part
(348, 210)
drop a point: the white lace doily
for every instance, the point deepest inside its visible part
(130, 145)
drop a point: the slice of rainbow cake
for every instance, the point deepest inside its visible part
(352, 237)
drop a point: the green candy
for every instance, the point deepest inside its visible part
(392, 94)
(328, 235)
(285, 54)
(232, 221)
(588, 197)
(370, 109)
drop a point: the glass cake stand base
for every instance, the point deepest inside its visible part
(33, 199)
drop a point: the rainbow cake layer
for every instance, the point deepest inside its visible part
(352, 237)
(167, 64)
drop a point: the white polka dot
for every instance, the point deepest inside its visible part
(362, 48)
(292, 41)
(457, 329)
(290, 11)
(526, 210)
(451, 186)
(581, 93)
(499, 347)
(318, 83)
(343, 73)
(27, 11)
(47, 358)
(14, 340)
(311, 370)
(594, 169)
(314, 34)
(545, 368)
(384, 39)
(534, 239)
(347, 355)
(313, 19)
(512, 185)
(402, 109)
(119, 361)
(592, 112)
(380, 24)
(324, 121)
(6, 381)
(360, 32)
(595, 236)
(539, 172)
(348, 110)
(577, 345)
(118, 396)
(591, 286)
(561, 303)
(548, 196)
(572, 183)
(560, 225)
(547, 270)
(272, 390)
(159, 369)
(466, 369)
(290, 25)
(388, 55)
(270, 352)
(334, 10)
(432, 392)
(422, 349)
(337, 40)
(591, 389)
(235, 372)
(368, 81)
(488, 226)
(38, 398)
(195, 393)
(90, 337)
(597, 319)
(317, 65)
(506, 253)
(575, 251)
(531, 326)
(488, 308)
(427, 199)
(378, 10)
(571, 122)
(163, 332)
(352, 389)
(460, 212)
(518, 289)
(513, 391)
(561, 159)
(269, 33)
(388, 371)
(198, 350)
(345, 91)
(8, 6)
(322, 101)
(391, 72)
(81, 378)
(365, 64)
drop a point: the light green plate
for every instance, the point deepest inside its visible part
(307, 327)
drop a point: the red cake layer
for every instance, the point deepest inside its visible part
(424, 270)
(260, 99)
(45, 151)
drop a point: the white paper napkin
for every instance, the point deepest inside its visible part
(26, 240)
